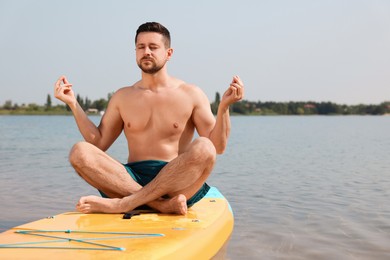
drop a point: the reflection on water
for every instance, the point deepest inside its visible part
(300, 187)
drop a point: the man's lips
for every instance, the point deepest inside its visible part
(146, 59)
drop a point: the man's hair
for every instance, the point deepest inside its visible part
(155, 27)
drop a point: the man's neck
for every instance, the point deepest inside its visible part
(155, 81)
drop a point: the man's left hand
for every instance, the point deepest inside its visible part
(235, 92)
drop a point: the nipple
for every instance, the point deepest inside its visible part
(128, 125)
(175, 125)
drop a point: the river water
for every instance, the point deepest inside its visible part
(300, 187)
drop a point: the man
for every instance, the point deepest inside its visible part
(166, 169)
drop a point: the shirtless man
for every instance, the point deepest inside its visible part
(166, 169)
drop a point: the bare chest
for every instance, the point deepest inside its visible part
(163, 115)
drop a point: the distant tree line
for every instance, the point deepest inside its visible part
(88, 105)
(100, 104)
(244, 107)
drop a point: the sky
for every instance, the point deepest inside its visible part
(283, 50)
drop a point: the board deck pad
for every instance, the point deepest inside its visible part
(148, 235)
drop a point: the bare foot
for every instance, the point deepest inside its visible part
(94, 204)
(175, 205)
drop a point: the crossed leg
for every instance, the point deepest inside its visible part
(179, 179)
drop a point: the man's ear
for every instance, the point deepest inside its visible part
(170, 53)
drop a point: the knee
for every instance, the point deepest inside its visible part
(205, 150)
(78, 155)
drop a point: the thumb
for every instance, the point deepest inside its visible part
(65, 80)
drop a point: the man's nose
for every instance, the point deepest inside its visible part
(148, 51)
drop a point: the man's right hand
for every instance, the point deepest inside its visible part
(63, 91)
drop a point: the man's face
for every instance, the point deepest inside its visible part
(151, 53)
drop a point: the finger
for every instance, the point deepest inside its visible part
(233, 92)
(237, 86)
(238, 93)
(233, 89)
(237, 79)
(63, 88)
(238, 83)
(61, 80)
(67, 89)
(65, 80)
(58, 82)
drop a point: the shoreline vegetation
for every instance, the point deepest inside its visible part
(243, 107)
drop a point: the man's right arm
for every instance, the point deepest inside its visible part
(110, 126)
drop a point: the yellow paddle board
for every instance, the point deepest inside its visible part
(201, 234)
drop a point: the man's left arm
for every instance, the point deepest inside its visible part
(220, 133)
(217, 130)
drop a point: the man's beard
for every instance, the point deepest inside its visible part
(150, 69)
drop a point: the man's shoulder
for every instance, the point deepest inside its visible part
(122, 94)
(127, 89)
(124, 91)
(189, 88)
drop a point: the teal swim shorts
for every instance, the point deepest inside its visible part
(144, 172)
